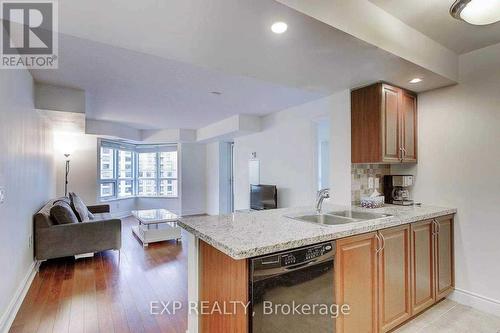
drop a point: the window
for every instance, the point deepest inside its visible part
(168, 173)
(137, 170)
(148, 173)
(125, 173)
(107, 172)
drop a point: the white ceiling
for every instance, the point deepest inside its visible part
(152, 64)
(432, 18)
(149, 92)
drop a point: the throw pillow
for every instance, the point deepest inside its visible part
(62, 213)
(79, 207)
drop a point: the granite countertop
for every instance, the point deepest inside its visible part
(249, 234)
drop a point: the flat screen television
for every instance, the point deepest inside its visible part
(263, 197)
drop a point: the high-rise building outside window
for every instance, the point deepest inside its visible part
(137, 170)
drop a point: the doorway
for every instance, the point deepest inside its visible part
(226, 178)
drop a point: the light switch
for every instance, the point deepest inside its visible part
(2, 195)
(370, 182)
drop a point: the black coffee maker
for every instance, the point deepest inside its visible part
(397, 189)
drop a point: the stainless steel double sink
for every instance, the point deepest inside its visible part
(338, 218)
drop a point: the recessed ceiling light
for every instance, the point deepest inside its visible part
(476, 12)
(279, 27)
(416, 80)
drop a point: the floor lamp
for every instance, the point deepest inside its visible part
(66, 175)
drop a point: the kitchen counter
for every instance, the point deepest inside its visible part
(249, 234)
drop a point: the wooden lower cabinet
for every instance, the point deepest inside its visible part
(222, 279)
(388, 277)
(394, 278)
(356, 283)
(422, 264)
(444, 257)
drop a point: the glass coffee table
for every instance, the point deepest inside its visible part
(156, 225)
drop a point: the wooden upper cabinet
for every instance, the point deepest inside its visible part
(409, 126)
(391, 145)
(383, 125)
(422, 265)
(445, 279)
(356, 283)
(394, 277)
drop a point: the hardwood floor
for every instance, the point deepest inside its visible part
(100, 294)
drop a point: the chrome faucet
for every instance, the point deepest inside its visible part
(322, 195)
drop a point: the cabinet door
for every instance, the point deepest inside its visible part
(356, 283)
(394, 277)
(444, 257)
(391, 151)
(408, 110)
(422, 265)
(222, 279)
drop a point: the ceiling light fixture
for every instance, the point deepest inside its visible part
(279, 27)
(416, 80)
(476, 12)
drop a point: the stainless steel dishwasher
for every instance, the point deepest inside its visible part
(281, 281)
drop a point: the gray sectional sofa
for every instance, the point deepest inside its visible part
(54, 240)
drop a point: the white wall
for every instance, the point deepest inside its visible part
(83, 164)
(193, 184)
(287, 150)
(459, 166)
(26, 173)
(339, 105)
(323, 148)
(56, 98)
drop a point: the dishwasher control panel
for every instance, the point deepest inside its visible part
(304, 255)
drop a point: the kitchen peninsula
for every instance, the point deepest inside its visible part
(387, 269)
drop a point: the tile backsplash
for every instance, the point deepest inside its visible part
(359, 179)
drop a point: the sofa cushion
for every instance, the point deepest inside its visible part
(62, 213)
(79, 207)
(43, 218)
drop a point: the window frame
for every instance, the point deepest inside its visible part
(135, 150)
(147, 178)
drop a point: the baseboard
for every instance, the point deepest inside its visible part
(10, 314)
(476, 301)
